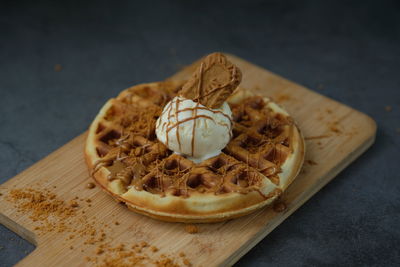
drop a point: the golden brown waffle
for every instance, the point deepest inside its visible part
(126, 159)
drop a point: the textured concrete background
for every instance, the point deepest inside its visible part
(349, 52)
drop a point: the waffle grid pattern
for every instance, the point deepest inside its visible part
(127, 146)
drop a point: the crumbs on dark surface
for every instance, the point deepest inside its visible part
(58, 67)
(388, 108)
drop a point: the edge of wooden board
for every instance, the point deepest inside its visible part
(299, 201)
(364, 144)
(306, 195)
(16, 227)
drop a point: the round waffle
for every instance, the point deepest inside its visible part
(125, 158)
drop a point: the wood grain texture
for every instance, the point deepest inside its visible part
(335, 136)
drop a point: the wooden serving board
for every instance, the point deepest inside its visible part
(335, 136)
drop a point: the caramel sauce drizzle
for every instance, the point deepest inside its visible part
(117, 153)
(186, 120)
(169, 115)
(194, 114)
(202, 108)
(177, 126)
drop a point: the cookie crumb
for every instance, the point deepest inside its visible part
(279, 207)
(335, 129)
(191, 229)
(74, 204)
(388, 108)
(311, 162)
(58, 67)
(282, 98)
(316, 137)
(187, 262)
(90, 185)
(99, 251)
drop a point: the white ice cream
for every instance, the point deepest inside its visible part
(212, 128)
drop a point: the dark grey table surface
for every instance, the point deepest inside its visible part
(348, 51)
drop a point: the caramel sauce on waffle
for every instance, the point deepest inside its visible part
(127, 146)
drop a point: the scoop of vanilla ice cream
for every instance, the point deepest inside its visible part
(196, 131)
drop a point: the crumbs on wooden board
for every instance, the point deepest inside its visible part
(279, 206)
(311, 162)
(334, 127)
(282, 98)
(316, 137)
(191, 228)
(138, 254)
(52, 214)
(90, 185)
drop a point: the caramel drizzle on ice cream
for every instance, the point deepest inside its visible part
(210, 85)
(168, 126)
(194, 116)
(177, 126)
